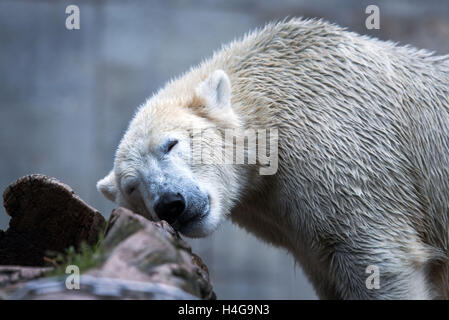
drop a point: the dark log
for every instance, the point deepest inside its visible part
(45, 215)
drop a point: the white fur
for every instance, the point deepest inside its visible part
(363, 175)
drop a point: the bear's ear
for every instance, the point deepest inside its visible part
(108, 187)
(216, 90)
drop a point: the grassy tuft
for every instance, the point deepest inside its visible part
(87, 257)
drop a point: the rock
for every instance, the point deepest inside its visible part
(12, 276)
(139, 259)
(45, 215)
(97, 288)
(151, 252)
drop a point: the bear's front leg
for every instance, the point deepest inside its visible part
(382, 272)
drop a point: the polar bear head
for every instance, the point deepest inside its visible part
(154, 173)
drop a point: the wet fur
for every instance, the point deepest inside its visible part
(363, 173)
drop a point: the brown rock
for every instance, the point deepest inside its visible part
(10, 275)
(138, 249)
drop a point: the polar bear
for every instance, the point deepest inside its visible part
(362, 181)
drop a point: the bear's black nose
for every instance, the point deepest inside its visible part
(170, 206)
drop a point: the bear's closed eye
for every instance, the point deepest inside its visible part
(130, 190)
(170, 145)
(130, 186)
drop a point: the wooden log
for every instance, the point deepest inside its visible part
(45, 215)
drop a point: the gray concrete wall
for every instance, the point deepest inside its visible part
(66, 96)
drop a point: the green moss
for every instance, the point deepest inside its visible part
(87, 257)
